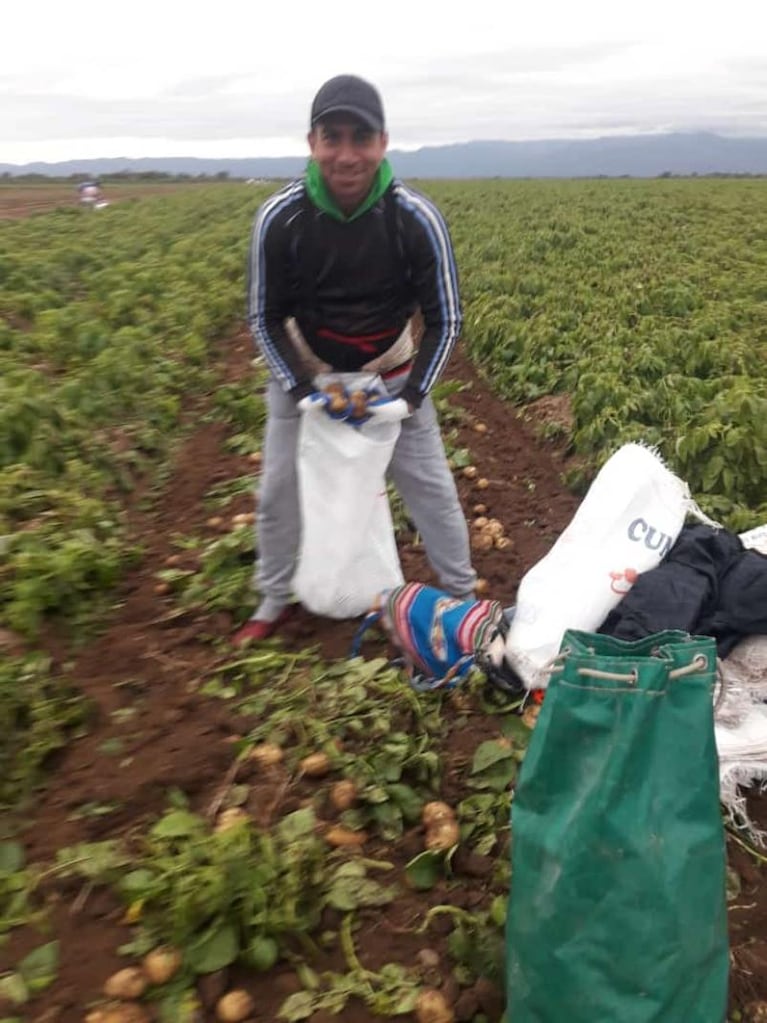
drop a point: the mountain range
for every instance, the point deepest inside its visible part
(679, 153)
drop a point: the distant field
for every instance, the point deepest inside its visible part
(24, 200)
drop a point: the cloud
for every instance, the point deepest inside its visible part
(446, 70)
(611, 85)
(32, 116)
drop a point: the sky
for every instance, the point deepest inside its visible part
(236, 79)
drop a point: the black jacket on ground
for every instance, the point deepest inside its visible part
(708, 584)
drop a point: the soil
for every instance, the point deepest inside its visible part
(147, 657)
(23, 200)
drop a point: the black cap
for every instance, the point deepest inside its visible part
(347, 94)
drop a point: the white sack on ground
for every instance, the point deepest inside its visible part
(740, 718)
(743, 682)
(742, 753)
(628, 521)
(348, 551)
(756, 538)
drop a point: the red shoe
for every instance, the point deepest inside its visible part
(257, 630)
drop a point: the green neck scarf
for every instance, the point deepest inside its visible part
(322, 199)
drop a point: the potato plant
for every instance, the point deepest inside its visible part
(641, 303)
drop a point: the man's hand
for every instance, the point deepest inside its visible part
(389, 410)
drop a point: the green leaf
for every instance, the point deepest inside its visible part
(262, 953)
(181, 1006)
(177, 824)
(297, 1006)
(94, 860)
(489, 753)
(406, 1002)
(350, 869)
(486, 844)
(424, 870)
(348, 893)
(388, 818)
(497, 778)
(515, 729)
(218, 947)
(39, 968)
(13, 989)
(376, 794)
(409, 802)
(297, 825)
(498, 910)
(136, 882)
(11, 857)
(308, 977)
(365, 671)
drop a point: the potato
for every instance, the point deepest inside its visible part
(480, 522)
(215, 522)
(338, 404)
(172, 560)
(267, 754)
(480, 427)
(359, 404)
(161, 589)
(316, 765)
(125, 984)
(494, 527)
(503, 543)
(230, 818)
(442, 835)
(530, 714)
(161, 964)
(481, 586)
(482, 541)
(436, 811)
(343, 794)
(482, 484)
(429, 958)
(128, 1012)
(255, 457)
(345, 837)
(336, 392)
(470, 472)
(431, 1007)
(480, 509)
(234, 1006)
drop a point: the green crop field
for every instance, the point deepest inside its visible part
(641, 305)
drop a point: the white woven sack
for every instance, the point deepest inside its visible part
(628, 521)
(756, 538)
(348, 551)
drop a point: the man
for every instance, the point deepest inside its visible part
(89, 193)
(340, 261)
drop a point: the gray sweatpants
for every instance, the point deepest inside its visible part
(419, 470)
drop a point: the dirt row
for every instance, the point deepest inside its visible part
(139, 674)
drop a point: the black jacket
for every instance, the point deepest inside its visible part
(352, 285)
(708, 584)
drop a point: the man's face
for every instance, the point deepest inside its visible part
(348, 154)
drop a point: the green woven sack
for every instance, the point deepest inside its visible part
(617, 907)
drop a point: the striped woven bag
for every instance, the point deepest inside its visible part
(439, 637)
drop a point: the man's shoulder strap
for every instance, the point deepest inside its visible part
(395, 232)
